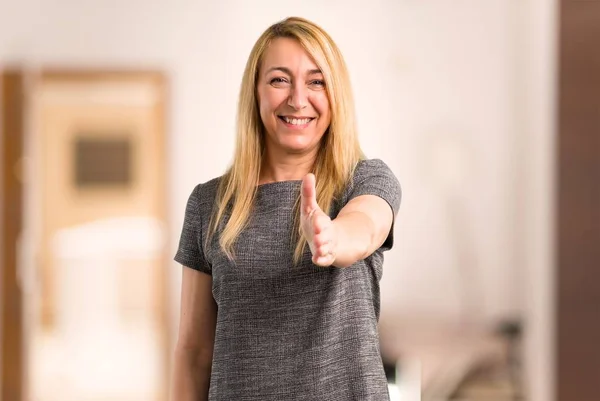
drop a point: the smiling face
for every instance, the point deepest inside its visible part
(293, 102)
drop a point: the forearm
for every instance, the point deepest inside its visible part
(191, 375)
(356, 238)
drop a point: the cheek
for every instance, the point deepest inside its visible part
(269, 101)
(264, 111)
(321, 104)
(263, 104)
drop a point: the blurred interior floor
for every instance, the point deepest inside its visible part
(492, 380)
(99, 363)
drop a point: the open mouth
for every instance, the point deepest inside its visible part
(296, 121)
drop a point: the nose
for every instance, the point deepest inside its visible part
(298, 98)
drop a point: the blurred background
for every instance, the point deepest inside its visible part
(486, 110)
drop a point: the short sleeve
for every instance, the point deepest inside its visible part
(190, 252)
(374, 177)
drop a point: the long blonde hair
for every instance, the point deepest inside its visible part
(339, 150)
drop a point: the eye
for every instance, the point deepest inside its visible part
(278, 81)
(319, 83)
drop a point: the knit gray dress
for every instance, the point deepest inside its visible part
(288, 332)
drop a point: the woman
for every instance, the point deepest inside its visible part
(263, 316)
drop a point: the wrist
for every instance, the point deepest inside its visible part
(340, 251)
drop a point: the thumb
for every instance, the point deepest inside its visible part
(309, 194)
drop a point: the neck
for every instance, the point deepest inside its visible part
(286, 167)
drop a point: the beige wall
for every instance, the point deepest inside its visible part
(433, 81)
(434, 68)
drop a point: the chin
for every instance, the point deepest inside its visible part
(298, 145)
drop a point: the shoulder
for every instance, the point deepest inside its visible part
(369, 167)
(367, 170)
(374, 177)
(205, 193)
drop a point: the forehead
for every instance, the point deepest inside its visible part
(289, 53)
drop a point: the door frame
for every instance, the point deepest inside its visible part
(11, 206)
(578, 220)
(14, 109)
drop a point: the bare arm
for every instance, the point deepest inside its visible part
(194, 349)
(360, 228)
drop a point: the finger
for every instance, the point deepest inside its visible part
(309, 194)
(321, 239)
(321, 223)
(324, 250)
(326, 260)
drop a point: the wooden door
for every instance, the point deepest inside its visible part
(99, 146)
(578, 242)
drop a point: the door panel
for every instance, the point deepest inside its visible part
(578, 234)
(101, 242)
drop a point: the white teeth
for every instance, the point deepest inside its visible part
(297, 121)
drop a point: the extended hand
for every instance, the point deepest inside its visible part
(316, 226)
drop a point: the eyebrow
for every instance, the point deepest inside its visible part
(287, 70)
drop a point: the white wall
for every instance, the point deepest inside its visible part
(434, 80)
(421, 72)
(539, 104)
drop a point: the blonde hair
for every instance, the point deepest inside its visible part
(339, 150)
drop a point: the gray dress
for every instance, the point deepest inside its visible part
(288, 332)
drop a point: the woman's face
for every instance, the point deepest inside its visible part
(293, 102)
